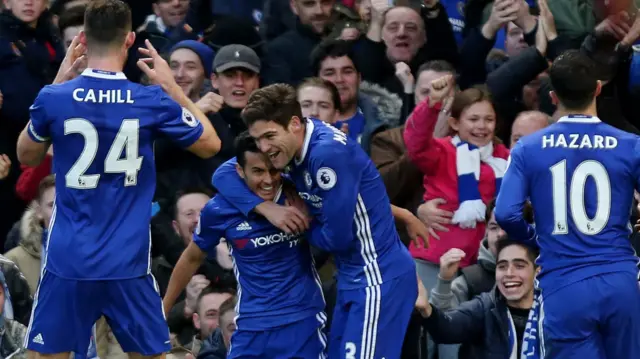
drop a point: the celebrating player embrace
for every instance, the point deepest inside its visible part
(580, 175)
(352, 219)
(102, 127)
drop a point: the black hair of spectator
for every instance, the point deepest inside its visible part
(58, 6)
(227, 306)
(331, 48)
(213, 289)
(107, 22)
(532, 252)
(277, 103)
(72, 17)
(45, 184)
(324, 84)
(183, 192)
(244, 143)
(527, 211)
(437, 66)
(573, 79)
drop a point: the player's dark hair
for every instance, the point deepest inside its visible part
(107, 22)
(437, 66)
(277, 103)
(532, 252)
(527, 211)
(72, 17)
(173, 208)
(244, 143)
(323, 84)
(213, 290)
(228, 305)
(573, 79)
(44, 185)
(331, 48)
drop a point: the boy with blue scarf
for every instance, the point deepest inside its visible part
(499, 324)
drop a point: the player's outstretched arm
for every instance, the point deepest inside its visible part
(209, 143)
(513, 194)
(33, 141)
(187, 265)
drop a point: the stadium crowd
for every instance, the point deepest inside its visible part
(364, 66)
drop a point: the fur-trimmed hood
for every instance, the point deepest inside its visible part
(389, 104)
(31, 232)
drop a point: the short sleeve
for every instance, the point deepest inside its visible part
(210, 228)
(178, 123)
(38, 128)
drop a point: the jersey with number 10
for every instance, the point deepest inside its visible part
(579, 175)
(102, 128)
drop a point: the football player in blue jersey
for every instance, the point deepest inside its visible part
(102, 128)
(580, 175)
(280, 303)
(352, 219)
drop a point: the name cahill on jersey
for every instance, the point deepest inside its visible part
(103, 95)
(579, 141)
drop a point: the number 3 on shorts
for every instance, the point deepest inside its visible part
(350, 350)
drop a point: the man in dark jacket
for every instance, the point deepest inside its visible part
(492, 325)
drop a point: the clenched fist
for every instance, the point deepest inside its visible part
(210, 103)
(440, 89)
(5, 166)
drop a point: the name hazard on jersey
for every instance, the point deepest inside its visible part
(275, 238)
(579, 141)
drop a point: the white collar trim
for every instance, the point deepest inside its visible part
(106, 75)
(579, 119)
(305, 145)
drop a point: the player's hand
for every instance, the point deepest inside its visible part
(403, 73)
(440, 89)
(287, 218)
(418, 232)
(210, 103)
(197, 283)
(345, 128)
(422, 302)
(161, 73)
(74, 62)
(450, 263)
(292, 199)
(5, 166)
(434, 217)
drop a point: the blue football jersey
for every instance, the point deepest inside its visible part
(102, 128)
(278, 282)
(349, 203)
(579, 175)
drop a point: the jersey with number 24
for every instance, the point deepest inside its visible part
(102, 128)
(580, 175)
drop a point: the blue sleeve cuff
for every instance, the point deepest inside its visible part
(34, 136)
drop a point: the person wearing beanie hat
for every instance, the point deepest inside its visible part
(191, 63)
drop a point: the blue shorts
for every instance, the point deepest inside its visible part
(371, 322)
(64, 311)
(596, 318)
(301, 340)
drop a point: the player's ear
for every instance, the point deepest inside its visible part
(554, 98)
(131, 38)
(295, 124)
(240, 171)
(454, 123)
(82, 36)
(598, 88)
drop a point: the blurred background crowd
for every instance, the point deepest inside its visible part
(361, 65)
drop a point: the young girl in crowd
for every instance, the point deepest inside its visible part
(319, 99)
(464, 169)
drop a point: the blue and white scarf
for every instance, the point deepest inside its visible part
(468, 159)
(532, 347)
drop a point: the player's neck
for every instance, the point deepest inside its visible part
(300, 141)
(589, 111)
(106, 63)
